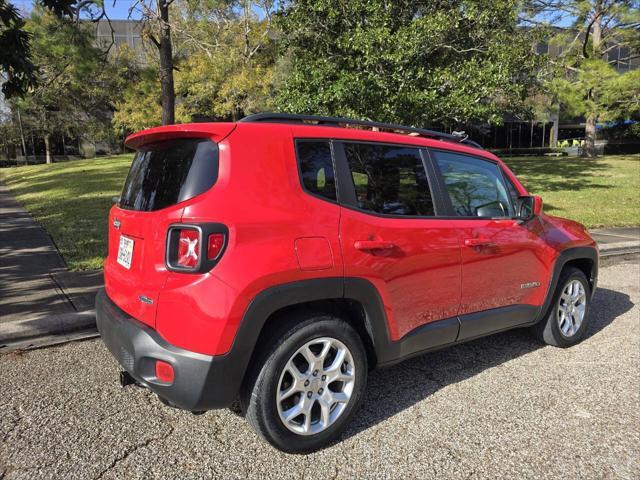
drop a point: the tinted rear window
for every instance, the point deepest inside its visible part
(316, 168)
(170, 172)
(389, 179)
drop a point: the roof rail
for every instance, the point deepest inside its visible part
(458, 137)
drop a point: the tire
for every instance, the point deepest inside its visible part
(549, 329)
(272, 376)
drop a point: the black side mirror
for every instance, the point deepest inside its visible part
(528, 206)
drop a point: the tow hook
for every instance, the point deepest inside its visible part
(126, 379)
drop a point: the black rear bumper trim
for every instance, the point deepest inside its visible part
(202, 382)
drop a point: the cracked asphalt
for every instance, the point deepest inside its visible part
(504, 406)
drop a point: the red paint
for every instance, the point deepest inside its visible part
(425, 269)
(313, 253)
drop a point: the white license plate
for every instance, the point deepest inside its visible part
(125, 252)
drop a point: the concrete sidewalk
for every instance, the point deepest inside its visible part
(41, 302)
(38, 295)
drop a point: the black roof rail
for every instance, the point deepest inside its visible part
(339, 121)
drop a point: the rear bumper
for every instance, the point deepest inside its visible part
(202, 382)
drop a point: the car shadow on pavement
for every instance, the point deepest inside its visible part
(394, 389)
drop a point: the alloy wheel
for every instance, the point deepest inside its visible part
(571, 308)
(315, 386)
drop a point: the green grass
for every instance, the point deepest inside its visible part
(601, 192)
(71, 200)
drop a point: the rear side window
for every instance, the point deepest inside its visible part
(169, 172)
(476, 187)
(389, 179)
(316, 168)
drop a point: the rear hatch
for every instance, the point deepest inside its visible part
(166, 175)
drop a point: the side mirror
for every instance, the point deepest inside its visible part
(528, 206)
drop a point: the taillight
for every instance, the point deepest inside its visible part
(188, 248)
(214, 245)
(195, 248)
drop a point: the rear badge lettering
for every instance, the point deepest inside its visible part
(146, 300)
(530, 285)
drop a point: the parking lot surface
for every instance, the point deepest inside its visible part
(503, 406)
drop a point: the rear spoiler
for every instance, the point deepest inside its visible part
(216, 131)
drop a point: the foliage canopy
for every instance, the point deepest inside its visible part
(416, 62)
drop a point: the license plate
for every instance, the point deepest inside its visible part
(125, 252)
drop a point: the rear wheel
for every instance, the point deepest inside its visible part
(309, 386)
(567, 319)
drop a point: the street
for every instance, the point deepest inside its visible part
(503, 406)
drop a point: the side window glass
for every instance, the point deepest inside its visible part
(389, 179)
(476, 187)
(316, 168)
(513, 191)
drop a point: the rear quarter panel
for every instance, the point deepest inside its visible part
(259, 197)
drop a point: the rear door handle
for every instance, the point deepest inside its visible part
(477, 242)
(367, 245)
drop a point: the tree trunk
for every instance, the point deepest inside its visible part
(166, 66)
(589, 149)
(47, 147)
(590, 137)
(24, 144)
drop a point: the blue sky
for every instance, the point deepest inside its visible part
(120, 10)
(116, 10)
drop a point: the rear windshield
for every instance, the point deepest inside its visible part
(169, 172)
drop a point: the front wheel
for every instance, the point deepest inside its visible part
(567, 319)
(309, 386)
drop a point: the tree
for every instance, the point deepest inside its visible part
(230, 56)
(224, 57)
(74, 85)
(157, 29)
(421, 62)
(17, 68)
(585, 82)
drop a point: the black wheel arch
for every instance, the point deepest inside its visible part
(583, 258)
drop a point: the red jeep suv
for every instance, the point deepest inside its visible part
(277, 260)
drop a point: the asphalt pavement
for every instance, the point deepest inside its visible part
(504, 406)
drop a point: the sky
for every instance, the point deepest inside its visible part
(120, 10)
(117, 10)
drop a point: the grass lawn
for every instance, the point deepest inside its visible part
(601, 192)
(71, 200)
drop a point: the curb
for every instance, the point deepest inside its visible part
(615, 253)
(30, 333)
(619, 248)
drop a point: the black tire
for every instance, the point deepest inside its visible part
(548, 329)
(258, 397)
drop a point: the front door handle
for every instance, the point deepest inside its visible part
(367, 245)
(477, 242)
